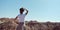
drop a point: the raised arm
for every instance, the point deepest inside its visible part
(26, 11)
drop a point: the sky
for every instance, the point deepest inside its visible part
(39, 10)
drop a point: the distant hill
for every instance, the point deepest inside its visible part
(11, 24)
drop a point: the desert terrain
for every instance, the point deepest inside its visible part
(11, 24)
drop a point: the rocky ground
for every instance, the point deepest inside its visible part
(33, 25)
(11, 24)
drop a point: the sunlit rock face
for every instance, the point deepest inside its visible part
(34, 25)
(11, 24)
(8, 24)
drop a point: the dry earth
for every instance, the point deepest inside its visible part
(11, 24)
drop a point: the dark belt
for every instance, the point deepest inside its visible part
(21, 22)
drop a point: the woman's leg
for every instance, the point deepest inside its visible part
(20, 26)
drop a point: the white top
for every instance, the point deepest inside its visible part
(21, 17)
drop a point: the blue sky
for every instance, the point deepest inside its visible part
(39, 10)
